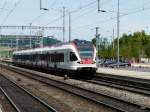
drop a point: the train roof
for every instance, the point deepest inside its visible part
(51, 48)
(44, 49)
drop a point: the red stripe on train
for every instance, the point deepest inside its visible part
(86, 61)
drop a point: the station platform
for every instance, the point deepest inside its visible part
(124, 72)
(145, 65)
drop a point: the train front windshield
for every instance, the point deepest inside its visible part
(85, 49)
(86, 53)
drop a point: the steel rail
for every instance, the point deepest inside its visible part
(50, 108)
(99, 98)
(141, 86)
(9, 99)
(120, 87)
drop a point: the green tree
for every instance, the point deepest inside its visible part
(94, 41)
(147, 50)
(135, 45)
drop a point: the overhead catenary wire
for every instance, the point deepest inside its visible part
(73, 11)
(3, 7)
(103, 21)
(88, 12)
(41, 14)
(77, 10)
(54, 3)
(81, 15)
(11, 11)
(108, 11)
(112, 18)
(37, 17)
(84, 9)
(59, 18)
(99, 22)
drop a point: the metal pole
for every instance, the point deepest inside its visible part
(42, 39)
(69, 26)
(0, 49)
(97, 39)
(11, 43)
(98, 5)
(17, 44)
(63, 24)
(118, 25)
(113, 44)
(30, 37)
(40, 4)
(0, 43)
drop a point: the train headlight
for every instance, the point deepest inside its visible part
(93, 62)
(80, 62)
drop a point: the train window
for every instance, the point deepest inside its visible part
(60, 57)
(37, 57)
(57, 57)
(73, 56)
(86, 54)
(34, 57)
(52, 58)
(45, 57)
(41, 57)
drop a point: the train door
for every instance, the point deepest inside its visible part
(47, 59)
(55, 63)
(66, 57)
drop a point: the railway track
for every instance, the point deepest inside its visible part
(5, 105)
(109, 101)
(141, 86)
(21, 99)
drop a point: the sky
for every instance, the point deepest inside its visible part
(134, 16)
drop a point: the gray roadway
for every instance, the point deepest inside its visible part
(139, 69)
(143, 73)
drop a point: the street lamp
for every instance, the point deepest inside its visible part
(69, 26)
(97, 43)
(98, 35)
(41, 8)
(118, 31)
(30, 37)
(64, 21)
(45, 9)
(99, 9)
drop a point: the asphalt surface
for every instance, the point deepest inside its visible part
(139, 69)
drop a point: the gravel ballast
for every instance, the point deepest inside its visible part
(62, 101)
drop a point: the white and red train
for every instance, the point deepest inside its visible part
(76, 56)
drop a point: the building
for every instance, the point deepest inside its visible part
(10, 43)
